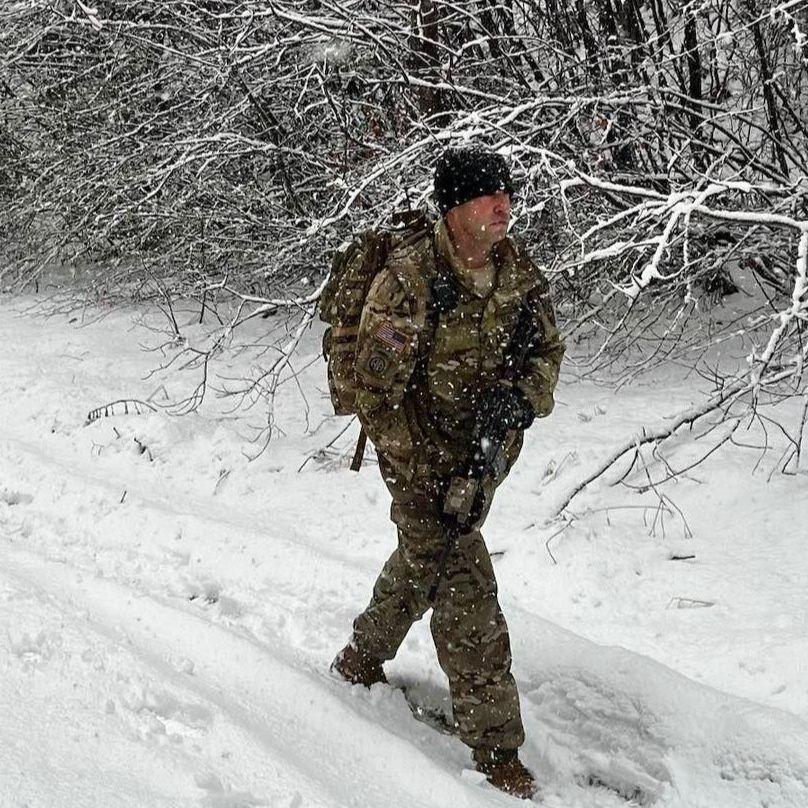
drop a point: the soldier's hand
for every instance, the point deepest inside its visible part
(503, 408)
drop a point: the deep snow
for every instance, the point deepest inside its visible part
(170, 607)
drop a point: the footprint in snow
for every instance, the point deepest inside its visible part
(735, 765)
(610, 736)
(36, 651)
(12, 498)
(159, 713)
(221, 796)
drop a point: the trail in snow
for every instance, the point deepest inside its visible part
(170, 647)
(223, 680)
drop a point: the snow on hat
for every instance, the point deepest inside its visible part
(466, 172)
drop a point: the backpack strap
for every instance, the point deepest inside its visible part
(434, 285)
(359, 452)
(444, 296)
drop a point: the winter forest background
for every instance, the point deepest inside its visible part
(222, 150)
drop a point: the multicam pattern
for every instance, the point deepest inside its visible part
(417, 406)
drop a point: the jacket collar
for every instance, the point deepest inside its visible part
(446, 252)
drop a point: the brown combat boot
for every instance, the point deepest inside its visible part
(503, 769)
(357, 667)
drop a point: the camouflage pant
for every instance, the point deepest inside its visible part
(468, 627)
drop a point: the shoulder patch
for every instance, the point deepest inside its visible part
(377, 364)
(389, 336)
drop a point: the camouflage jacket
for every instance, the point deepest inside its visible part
(419, 373)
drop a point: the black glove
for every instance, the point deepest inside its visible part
(499, 409)
(503, 408)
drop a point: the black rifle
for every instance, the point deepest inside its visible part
(465, 497)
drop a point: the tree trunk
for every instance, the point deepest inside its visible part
(425, 54)
(768, 94)
(694, 88)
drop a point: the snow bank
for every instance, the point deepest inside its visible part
(169, 612)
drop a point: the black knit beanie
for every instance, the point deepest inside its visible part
(467, 172)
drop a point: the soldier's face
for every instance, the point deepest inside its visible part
(484, 218)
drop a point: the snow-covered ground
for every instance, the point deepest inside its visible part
(169, 608)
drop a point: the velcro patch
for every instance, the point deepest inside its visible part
(377, 365)
(388, 335)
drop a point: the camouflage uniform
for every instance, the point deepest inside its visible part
(417, 382)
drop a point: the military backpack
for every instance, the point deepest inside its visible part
(353, 268)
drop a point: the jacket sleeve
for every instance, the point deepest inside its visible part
(544, 357)
(386, 354)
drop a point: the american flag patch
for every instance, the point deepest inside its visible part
(389, 336)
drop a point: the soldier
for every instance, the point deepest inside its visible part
(434, 350)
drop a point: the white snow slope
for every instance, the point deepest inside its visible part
(169, 608)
